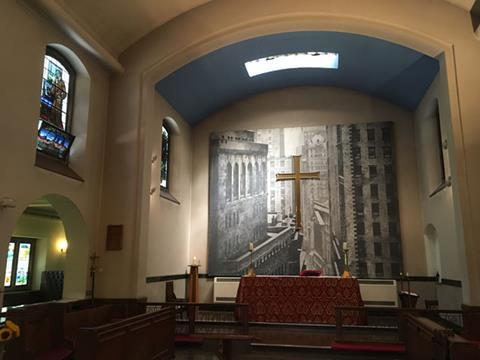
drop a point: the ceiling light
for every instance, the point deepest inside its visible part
(311, 59)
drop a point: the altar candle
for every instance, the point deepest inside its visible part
(345, 246)
(250, 247)
(194, 260)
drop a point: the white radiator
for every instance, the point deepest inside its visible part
(225, 289)
(379, 292)
(375, 292)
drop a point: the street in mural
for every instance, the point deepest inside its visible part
(354, 201)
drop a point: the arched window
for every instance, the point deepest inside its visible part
(235, 181)
(56, 106)
(165, 166)
(243, 180)
(250, 179)
(228, 182)
(257, 179)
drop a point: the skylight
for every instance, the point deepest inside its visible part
(311, 59)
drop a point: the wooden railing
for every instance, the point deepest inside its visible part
(189, 312)
(443, 317)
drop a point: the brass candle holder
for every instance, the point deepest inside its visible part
(346, 271)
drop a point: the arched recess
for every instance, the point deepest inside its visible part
(47, 222)
(164, 61)
(81, 107)
(76, 265)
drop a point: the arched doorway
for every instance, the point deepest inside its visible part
(47, 253)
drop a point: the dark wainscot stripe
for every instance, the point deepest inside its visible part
(225, 298)
(379, 303)
(232, 279)
(153, 279)
(375, 282)
(450, 282)
(161, 278)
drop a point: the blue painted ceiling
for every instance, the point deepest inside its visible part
(376, 67)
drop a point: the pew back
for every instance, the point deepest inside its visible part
(91, 317)
(142, 337)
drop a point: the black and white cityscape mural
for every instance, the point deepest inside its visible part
(354, 201)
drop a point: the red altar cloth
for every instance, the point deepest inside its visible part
(293, 299)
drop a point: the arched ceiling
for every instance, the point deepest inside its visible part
(369, 65)
(117, 24)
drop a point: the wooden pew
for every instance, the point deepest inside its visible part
(49, 330)
(142, 337)
(41, 336)
(73, 321)
(427, 339)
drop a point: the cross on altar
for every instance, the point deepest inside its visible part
(297, 176)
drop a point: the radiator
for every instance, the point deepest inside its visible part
(375, 292)
(379, 292)
(225, 289)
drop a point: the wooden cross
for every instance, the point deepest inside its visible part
(297, 176)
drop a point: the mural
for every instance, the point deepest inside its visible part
(353, 202)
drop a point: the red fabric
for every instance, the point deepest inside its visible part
(311, 273)
(371, 347)
(294, 299)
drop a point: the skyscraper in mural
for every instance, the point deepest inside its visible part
(364, 204)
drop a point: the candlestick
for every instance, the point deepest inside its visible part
(346, 271)
(251, 269)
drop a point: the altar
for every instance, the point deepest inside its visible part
(294, 299)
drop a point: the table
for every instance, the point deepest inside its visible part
(293, 299)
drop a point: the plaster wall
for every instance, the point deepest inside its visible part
(442, 226)
(24, 36)
(431, 27)
(46, 231)
(166, 248)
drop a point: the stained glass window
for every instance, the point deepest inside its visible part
(54, 138)
(23, 262)
(19, 262)
(165, 158)
(55, 97)
(9, 270)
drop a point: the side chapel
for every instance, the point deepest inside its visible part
(217, 169)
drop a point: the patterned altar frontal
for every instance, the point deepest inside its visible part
(290, 299)
(353, 203)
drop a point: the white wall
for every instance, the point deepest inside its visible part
(168, 236)
(441, 215)
(24, 35)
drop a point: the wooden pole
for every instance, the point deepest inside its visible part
(193, 283)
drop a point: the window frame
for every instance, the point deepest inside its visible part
(57, 55)
(12, 287)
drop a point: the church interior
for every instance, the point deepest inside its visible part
(274, 179)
